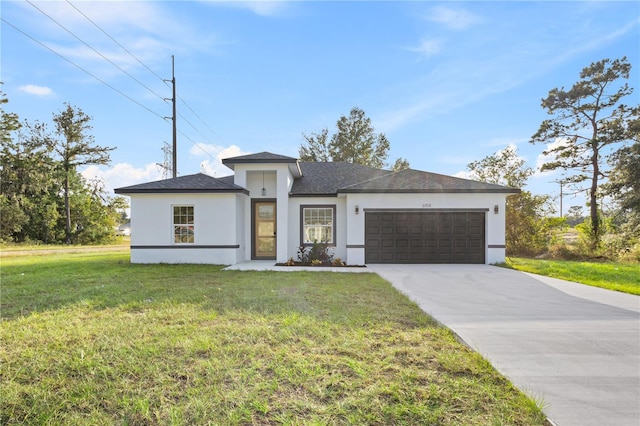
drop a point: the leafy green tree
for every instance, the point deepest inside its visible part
(504, 167)
(9, 121)
(528, 228)
(400, 164)
(32, 178)
(574, 215)
(586, 121)
(12, 218)
(75, 148)
(94, 217)
(27, 181)
(624, 181)
(355, 141)
(317, 147)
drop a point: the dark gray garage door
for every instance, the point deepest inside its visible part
(424, 237)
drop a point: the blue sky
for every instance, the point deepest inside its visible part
(447, 82)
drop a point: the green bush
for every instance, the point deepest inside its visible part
(317, 254)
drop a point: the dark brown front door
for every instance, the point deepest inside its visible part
(424, 237)
(264, 230)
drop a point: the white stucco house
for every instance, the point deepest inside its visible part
(273, 204)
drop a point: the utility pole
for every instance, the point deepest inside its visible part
(561, 194)
(561, 182)
(174, 167)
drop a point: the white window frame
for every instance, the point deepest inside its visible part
(184, 224)
(304, 227)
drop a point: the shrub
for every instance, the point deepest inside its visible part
(317, 254)
(337, 262)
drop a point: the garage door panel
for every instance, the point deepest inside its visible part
(444, 243)
(373, 230)
(386, 243)
(416, 243)
(475, 230)
(402, 257)
(461, 244)
(416, 257)
(402, 230)
(372, 243)
(416, 230)
(425, 237)
(460, 230)
(476, 243)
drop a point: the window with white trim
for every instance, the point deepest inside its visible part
(318, 224)
(183, 225)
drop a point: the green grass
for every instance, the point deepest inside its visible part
(92, 339)
(19, 249)
(624, 277)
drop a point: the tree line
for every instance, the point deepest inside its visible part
(43, 196)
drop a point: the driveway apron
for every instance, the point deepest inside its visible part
(573, 347)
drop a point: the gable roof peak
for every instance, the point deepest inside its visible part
(260, 157)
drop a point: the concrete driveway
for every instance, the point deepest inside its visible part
(575, 347)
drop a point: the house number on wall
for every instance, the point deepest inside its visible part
(426, 205)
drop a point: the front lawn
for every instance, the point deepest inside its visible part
(92, 339)
(624, 277)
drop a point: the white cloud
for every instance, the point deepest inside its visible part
(213, 166)
(123, 174)
(457, 19)
(33, 89)
(428, 47)
(505, 141)
(464, 174)
(545, 158)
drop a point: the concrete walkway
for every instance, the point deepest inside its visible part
(574, 347)
(269, 265)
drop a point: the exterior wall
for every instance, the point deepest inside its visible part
(216, 230)
(277, 182)
(494, 224)
(241, 231)
(340, 248)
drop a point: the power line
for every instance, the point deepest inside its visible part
(90, 47)
(151, 71)
(116, 42)
(201, 120)
(122, 70)
(80, 68)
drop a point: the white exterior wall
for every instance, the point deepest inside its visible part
(277, 182)
(241, 253)
(340, 249)
(215, 229)
(494, 223)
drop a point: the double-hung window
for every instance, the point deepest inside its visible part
(183, 225)
(318, 224)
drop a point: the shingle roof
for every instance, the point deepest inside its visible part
(261, 157)
(326, 178)
(265, 158)
(185, 184)
(323, 179)
(416, 181)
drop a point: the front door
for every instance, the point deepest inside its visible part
(264, 230)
